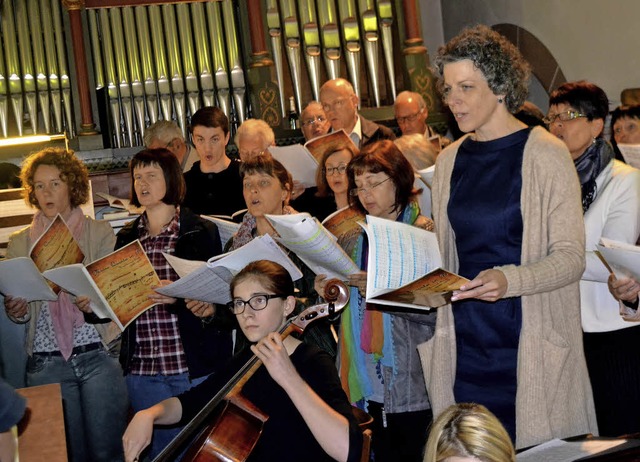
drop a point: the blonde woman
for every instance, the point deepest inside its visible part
(468, 432)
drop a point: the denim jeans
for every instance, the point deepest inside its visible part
(147, 390)
(94, 398)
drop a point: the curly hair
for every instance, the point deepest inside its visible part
(72, 171)
(468, 430)
(504, 68)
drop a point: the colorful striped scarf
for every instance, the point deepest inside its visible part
(365, 332)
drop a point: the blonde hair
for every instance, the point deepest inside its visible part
(256, 127)
(469, 430)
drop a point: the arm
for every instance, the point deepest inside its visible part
(138, 434)
(330, 428)
(553, 240)
(617, 217)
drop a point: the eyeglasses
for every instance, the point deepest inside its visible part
(257, 303)
(340, 169)
(565, 116)
(315, 120)
(173, 144)
(365, 190)
(409, 118)
(335, 105)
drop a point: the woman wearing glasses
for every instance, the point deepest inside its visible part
(378, 361)
(309, 416)
(611, 205)
(267, 187)
(331, 176)
(314, 122)
(508, 217)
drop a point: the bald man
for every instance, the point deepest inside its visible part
(411, 113)
(340, 104)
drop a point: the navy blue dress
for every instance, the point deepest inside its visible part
(484, 211)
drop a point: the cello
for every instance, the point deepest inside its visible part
(229, 426)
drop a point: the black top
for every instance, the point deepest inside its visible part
(214, 193)
(285, 436)
(484, 211)
(207, 342)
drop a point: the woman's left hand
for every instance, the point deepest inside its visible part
(489, 285)
(200, 309)
(159, 298)
(273, 354)
(83, 303)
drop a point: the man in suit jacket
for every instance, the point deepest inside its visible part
(340, 103)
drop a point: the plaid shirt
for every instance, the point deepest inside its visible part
(158, 344)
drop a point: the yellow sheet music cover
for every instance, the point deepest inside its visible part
(432, 290)
(125, 278)
(56, 247)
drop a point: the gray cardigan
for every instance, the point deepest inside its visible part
(554, 397)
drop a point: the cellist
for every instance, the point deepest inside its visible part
(310, 417)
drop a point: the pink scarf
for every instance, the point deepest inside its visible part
(64, 314)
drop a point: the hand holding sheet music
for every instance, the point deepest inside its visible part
(209, 282)
(404, 266)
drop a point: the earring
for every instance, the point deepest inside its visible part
(500, 100)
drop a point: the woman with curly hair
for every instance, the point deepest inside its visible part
(508, 216)
(468, 432)
(64, 345)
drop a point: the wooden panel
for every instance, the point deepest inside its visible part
(117, 184)
(41, 431)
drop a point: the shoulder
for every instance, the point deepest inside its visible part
(624, 172)
(369, 128)
(128, 232)
(542, 145)
(189, 221)
(545, 153)
(18, 243)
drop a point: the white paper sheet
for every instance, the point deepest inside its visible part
(19, 277)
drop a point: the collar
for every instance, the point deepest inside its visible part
(356, 133)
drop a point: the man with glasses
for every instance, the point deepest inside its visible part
(314, 121)
(411, 113)
(340, 103)
(166, 134)
(253, 138)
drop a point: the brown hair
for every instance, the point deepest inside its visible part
(268, 166)
(321, 175)
(72, 171)
(171, 169)
(383, 156)
(273, 276)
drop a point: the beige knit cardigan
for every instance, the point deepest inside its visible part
(553, 398)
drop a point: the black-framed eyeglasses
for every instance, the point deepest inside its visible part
(257, 303)
(564, 116)
(340, 169)
(409, 118)
(366, 189)
(315, 120)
